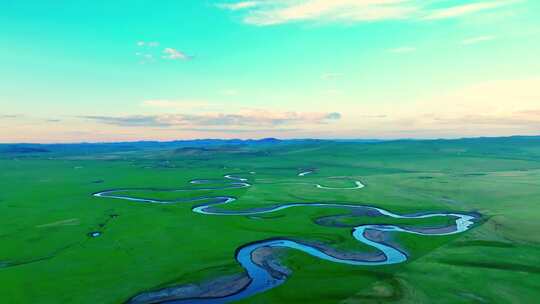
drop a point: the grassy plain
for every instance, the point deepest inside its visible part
(47, 211)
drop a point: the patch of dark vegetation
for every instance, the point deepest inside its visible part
(340, 220)
(267, 217)
(425, 177)
(482, 243)
(273, 169)
(473, 174)
(206, 150)
(7, 264)
(492, 265)
(211, 153)
(333, 221)
(98, 181)
(16, 149)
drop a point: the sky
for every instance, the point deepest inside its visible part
(124, 70)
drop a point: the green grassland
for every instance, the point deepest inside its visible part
(47, 210)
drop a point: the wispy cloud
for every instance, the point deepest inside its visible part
(145, 57)
(283, 11)
(229, 130)
(246, 118)
(147, 43)
(272, 12)
(403, 49)
(466, 9)
(174, 54)
(238, 5)
(475, 40)
(148, 52)
(10, 116)
(129, 121)
(145, 53)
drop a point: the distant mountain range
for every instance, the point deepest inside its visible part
(30, 148)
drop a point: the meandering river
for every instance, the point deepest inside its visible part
(261, 277)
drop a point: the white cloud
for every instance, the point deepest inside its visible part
(174, 54)
(403, 49)
(145, 57)
(252, 117)
(466, 9)
(239, 5)
(148, 44)
(271, 12)
(475, 40)
(148, 52)
(276, 12)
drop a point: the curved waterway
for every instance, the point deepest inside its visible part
(261, 277)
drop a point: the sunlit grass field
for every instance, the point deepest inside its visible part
(47, 211)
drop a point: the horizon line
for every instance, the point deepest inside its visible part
(268, 138)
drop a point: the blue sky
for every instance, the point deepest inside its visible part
(129, 70)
